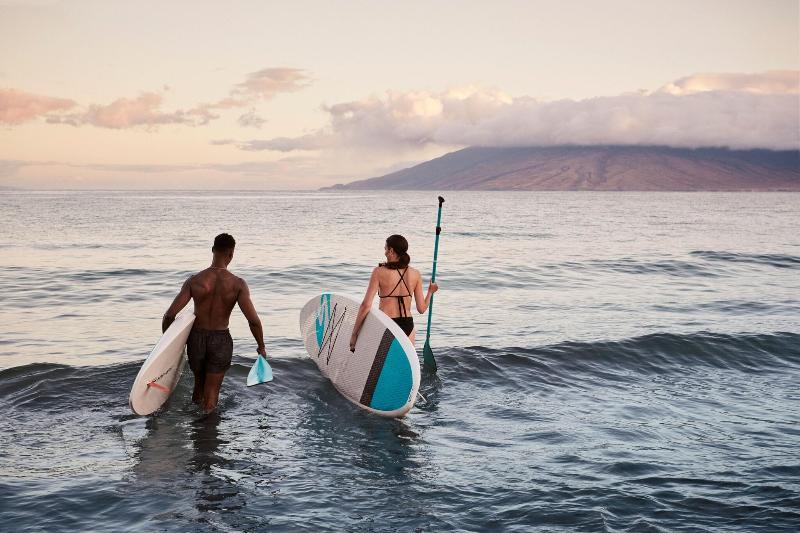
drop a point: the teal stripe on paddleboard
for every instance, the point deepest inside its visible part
(322, 317)
(395, 382)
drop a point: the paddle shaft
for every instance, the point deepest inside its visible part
(435, 257)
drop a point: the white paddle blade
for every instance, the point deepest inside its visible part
(260, 373)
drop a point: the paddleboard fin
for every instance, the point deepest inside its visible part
(159, 387)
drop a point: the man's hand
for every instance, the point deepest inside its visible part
(262, 350)
(166, 322)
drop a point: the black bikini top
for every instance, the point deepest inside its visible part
(400, 302)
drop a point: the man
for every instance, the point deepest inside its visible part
(210, 347)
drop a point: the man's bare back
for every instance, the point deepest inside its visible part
(215, 291)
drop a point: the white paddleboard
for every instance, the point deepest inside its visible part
(162, 369)
(383, 374)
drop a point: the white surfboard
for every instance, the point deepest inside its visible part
(162, 369)
(383, 374)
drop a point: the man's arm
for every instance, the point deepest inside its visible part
(178, 303)
(249, 311)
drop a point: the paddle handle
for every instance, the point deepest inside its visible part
(436, 243)
(435, 260)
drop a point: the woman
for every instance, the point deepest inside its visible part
(395, 282)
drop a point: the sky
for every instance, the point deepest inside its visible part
(304, 94)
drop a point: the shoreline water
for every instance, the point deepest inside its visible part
(614, 361)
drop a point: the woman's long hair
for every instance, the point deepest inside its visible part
(399, 244)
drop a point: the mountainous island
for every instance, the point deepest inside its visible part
(597, 168)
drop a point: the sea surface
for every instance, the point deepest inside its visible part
(607, 362)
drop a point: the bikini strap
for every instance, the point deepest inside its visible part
(404, 281)
(389, 295)
(400, 303)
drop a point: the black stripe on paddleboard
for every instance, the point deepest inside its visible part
(377, 367)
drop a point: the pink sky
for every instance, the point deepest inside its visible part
(111, 94)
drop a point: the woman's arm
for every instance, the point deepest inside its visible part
(422, 303)
(363, 309)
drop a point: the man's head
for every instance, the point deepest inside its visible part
(223, 246)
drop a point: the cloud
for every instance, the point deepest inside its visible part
(245, 167)
(9, 167)
(269, 82)
(251, 120)
(139, 169)
(739, 111)
(314, 141)
(285, 173)
(17, 107)
(144, 110)
(264, 84)
(772, 82)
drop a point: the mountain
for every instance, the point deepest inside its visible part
(598, 168)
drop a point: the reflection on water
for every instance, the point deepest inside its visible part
(182, 456)
(215, 492)
(205, 436)
(162, 453)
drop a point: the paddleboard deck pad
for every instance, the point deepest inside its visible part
(383, 374)
(162, 369)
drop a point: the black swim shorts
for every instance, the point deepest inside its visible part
(209, 350)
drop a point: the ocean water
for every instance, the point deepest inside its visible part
(607, 362)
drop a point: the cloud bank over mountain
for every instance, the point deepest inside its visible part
(738, 111)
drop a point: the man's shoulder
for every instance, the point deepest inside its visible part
(239, 281)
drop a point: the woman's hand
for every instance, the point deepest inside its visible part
(424, 302)
(353, 343)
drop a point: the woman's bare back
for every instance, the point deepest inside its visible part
(390, 287)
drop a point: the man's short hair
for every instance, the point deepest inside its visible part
(223, 242)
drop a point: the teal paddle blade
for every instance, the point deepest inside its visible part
(260, 373)
(427, 357)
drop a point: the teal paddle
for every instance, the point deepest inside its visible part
(427, 353)
(260, 373)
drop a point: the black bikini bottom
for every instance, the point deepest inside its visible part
(406, 323)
